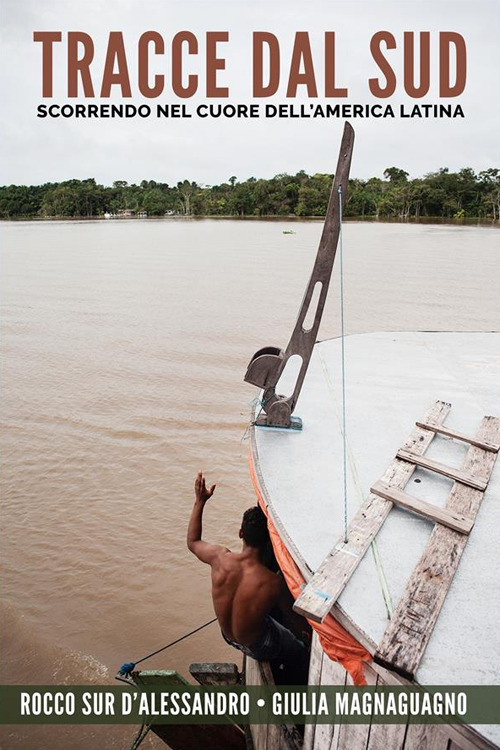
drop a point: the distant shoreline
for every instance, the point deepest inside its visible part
(451, 196)
(436, 220)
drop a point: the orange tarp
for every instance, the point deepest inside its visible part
(336, 642)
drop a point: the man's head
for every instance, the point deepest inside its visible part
(254, 528)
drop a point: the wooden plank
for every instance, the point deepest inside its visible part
(385, 736)
(253, 677)
(276, 740)
(315, 666)
(467, 738)
(274, 731)
(215, 673)
(444, 737)
(464, 735)
(337, 612)
(448, 471)
(454, 521)
(411, 626)
(356, 735)
(326, 585)
(269, 736)
(279, 736)
(426, 737)
(442, 430)
(290, 738)
(332, 673)
(315, 660)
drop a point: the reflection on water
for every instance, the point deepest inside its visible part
(125, 346)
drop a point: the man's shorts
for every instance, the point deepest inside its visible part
(276, 642)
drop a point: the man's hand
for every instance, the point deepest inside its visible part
(207, 553)
(200, 489)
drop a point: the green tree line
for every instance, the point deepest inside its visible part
(442, 194)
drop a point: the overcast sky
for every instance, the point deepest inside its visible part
(36, 150)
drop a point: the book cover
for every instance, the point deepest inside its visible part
(166, 170)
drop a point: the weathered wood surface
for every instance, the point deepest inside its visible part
(446, 432)
(315, 666)
(426, 737)
(444, 737)
(385, 736)
(464, 737)
(381, 737)
(332, 673)
(253, 677)
(455, 521)
(215, 673)
(458, 475)
(274, 736)
(326, 585)
(269, 736)
(355, 736)
(413, 620)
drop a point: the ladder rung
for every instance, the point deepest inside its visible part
(413, 620)
(330, 579)
(447, 471)
(442, 430)
(452, 520)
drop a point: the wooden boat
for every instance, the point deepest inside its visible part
(368, 509)
(382, 503)
(408, 569)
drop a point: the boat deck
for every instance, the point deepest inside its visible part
(391, 381)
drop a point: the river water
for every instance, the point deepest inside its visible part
(125, 344)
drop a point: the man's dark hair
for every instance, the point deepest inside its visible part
(254, 528)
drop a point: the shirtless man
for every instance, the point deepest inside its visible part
(243, 590)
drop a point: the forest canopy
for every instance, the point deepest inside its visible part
(442, 194)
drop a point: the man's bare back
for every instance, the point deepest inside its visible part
(243, 589)
(243, 592)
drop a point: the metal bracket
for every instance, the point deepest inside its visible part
(267, 365)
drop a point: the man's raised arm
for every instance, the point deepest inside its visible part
(203, 550)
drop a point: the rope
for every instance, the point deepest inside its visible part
(359, 489)
(346, 450)
(130, 666)
(253, 407)
(344, 434)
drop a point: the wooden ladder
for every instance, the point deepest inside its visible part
(411, 625)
